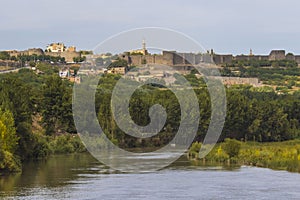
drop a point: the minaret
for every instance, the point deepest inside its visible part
(251, 53)
(144, 47)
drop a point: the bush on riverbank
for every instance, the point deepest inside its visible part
(60, 144)
(43, 146)
(9, 162)
(275, 155)
(67, 143)
(232, 147)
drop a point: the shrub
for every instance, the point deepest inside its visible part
(194, 150)
(66, 143)
(8, 162)
(232, 147)
(41, 147)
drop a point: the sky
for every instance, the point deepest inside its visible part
(227, 26)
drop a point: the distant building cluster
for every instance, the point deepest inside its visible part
(59, 47)
(183, 62)
(67, 73)
(54, 49)
(117, 70)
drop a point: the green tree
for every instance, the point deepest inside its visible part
(119, 63)
(79, 59)
(32, 64)
(232, 147)
(8, 143)
(8, 137)
(56, 106)
(4, 55)
(17, 97)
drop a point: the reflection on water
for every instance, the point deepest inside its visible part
(80, 176)
(53, 172)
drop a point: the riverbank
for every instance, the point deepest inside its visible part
(44, 146)
(273, 155)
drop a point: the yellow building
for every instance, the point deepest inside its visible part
(117, 70)
(56, 47)
(142, 51)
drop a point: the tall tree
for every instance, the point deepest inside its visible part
(57, 106)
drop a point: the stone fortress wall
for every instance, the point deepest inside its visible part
(170, 58)
(28, 52)
(173, 58)
(68, 55)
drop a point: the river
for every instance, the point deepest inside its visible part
(80, 176)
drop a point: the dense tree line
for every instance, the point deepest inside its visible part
(25, 96)
(252, 113)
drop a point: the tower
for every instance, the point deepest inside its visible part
(144, 45)
(251, 53)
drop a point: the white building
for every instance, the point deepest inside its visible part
(56, 47)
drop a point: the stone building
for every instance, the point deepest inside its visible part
(34, 51)
(277, 55)
(67, 73)
(239, 80)
(117, 70)
(56, 47)
(297, 59)
(29, 52)
(71, 49)
(13, 52)
(219, 59)
(290, 56)
(68, 55)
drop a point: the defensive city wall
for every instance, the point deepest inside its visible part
(173, 58)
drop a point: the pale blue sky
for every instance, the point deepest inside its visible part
(227, 26)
